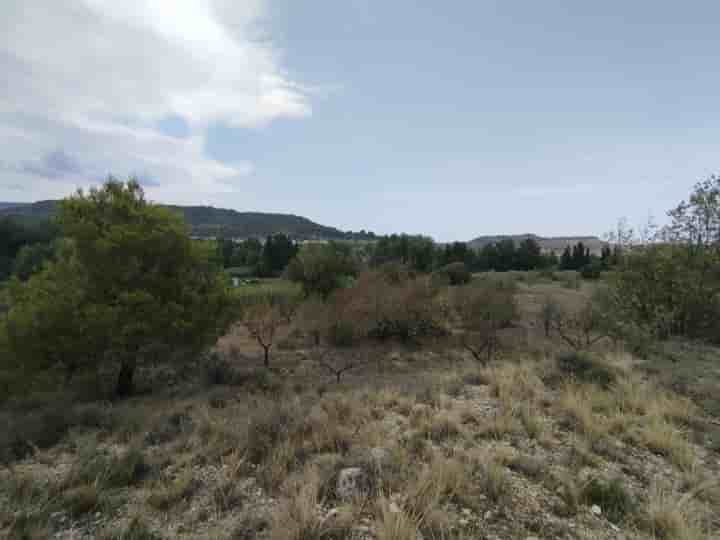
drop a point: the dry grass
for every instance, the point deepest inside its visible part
(576, 404)
(669, 518)
(170, 492)
(662, 437)
(298, 518)
(394, 523)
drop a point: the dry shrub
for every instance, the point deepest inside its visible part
(661, 437)
(668, 517)
(171, 491)
(499, 424)
(441, 427)
(297, 517)
(396, 524)
(576, 404)
(407, 309)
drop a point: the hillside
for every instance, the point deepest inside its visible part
(207, 221)
(556, 244)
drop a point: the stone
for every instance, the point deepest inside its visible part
(595, 509)
(394, 508)
(352, 483)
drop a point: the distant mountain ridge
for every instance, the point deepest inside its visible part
(208, 221)
(556, 244)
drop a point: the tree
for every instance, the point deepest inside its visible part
(262, 321)
(505, 255)
(322, 268)
(129, 279)
(416, 252)
(30, 259)
(696, 222)
(277, 252)
(484, 310)
(566, 259)
(528, 255)
(581, 329)
(549, 311)
(456, 273)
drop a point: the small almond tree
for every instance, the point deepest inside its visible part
(484, 310)
(262, 321)
(549, 311)
(580, 330)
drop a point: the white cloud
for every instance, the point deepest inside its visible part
(85, 81)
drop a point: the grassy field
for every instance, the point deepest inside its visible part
(541, 443)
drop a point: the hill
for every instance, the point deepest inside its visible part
(207, 221)
(555, 244)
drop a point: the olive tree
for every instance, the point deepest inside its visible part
(128, 279)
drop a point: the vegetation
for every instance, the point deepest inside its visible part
(400, 397)
(127, 279)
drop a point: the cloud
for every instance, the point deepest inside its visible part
(89, 86)
(55, 164)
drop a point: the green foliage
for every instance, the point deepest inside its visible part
(586, 368)
(456, 273)
(415, 252)
(129, 278)
(592, 270)
(614, 500)
(16, 235)
(31, 258)
(322, 268)
(670, 290)
(277, 253)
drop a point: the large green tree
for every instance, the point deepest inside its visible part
(128, 279)
(322, 268)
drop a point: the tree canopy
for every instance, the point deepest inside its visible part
(129, 278)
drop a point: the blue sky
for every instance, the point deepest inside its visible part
(448, 119)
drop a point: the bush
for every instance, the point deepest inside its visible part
(456, 273)
(611, 497)
(586, 368)
(21, 432)
(592, 270)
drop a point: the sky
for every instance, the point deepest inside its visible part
(450, 119)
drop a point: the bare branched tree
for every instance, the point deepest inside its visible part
(262, 321)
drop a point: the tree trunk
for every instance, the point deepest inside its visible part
(125, 379)
(267, 356)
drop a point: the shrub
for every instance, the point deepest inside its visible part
(592, 270)
(171, 492)
(106, 469)
(615, 502)
(456, 273)
(217, 370)
(135, 530)
(586, 368)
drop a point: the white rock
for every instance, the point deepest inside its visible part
(595, 509)
(466, 511)
(393, 508)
